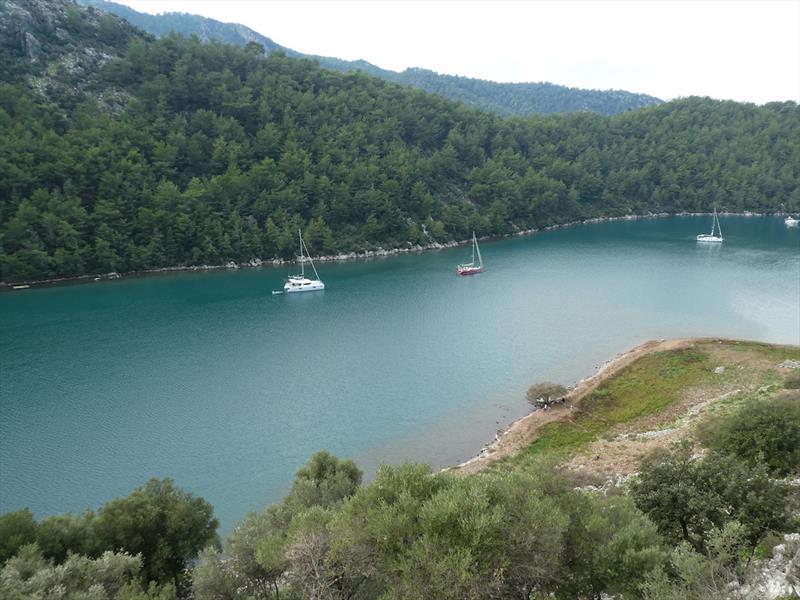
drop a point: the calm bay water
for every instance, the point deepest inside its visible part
(209, 379)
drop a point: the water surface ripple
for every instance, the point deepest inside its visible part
(209, 379)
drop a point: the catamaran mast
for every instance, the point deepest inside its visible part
(302, 262)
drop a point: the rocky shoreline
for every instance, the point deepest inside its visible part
(350, 256)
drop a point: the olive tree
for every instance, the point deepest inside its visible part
(17, 529)
(111, 575)
(687, 498)
(545, 393)
(767, 430)
(166, 525)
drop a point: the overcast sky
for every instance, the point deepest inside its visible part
(738, 50)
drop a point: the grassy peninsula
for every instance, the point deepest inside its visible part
(648, 397)
(671, 473)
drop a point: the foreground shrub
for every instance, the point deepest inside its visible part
(688, 498)
(767, 430)
(17, 529)
(257, 551)
(29, 575)
(159, 522)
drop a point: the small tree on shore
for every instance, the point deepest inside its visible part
(542, 394)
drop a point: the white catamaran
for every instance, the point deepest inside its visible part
(715, 226)
(472, 267)
(300, 283)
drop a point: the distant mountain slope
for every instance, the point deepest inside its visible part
(501, 98)
(523, 98)
(187, 25)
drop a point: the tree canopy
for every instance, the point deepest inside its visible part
(180, 153)
(159, 523)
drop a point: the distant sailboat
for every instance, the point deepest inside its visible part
(715, 226)
(472, 267)
(300, 283)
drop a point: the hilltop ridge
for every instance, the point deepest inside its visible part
(508, 99)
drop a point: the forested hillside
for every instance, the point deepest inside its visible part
(120, 152)
(519, 99)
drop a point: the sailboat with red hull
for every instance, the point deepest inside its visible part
(473, 267)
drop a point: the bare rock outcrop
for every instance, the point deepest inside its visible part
(59, 47)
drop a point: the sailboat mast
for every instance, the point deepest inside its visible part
(311, 260)
(473, 247)
(477, 249)
(302, 262)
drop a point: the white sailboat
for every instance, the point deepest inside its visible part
(472, 268)
(301, 283)
(715, 226)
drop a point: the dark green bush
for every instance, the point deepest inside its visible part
(762, 429)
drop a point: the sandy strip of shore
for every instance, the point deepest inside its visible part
(522, 432)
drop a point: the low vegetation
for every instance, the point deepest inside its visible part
(644, 388)
(694, 523)
(145, 539)
(761, 431)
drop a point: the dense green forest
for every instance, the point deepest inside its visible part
(519, 99)
(175, 152)
(516, 99)
(686, 527)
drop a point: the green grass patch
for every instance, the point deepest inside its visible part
(772, 377)
(650, 385)
(646, 387)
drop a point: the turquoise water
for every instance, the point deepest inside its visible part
(209, 379)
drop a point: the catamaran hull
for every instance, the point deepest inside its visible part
(312, 287)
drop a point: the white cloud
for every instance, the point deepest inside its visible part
(740, 50)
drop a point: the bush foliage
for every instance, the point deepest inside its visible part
(761, 430)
